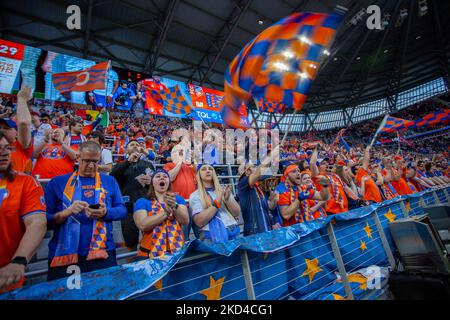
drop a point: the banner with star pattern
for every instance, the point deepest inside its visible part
(295, 262)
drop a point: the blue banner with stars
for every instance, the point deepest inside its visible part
(295, 262)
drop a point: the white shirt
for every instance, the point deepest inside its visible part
(106, 157)
(39, 133)
(196, 206)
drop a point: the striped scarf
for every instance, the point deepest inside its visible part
(388, 191)
(306, 205)
(294, 195)
(165, 238)
(337, 196)
(66, 252)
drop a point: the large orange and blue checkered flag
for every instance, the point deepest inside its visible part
(271, 107)
(396, 124)
(84, 80)
(280, 64)
(174, 101)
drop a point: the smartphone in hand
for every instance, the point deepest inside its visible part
(94, 206)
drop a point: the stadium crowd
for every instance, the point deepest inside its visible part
(99, 174)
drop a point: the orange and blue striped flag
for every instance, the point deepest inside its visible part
(437, 117)
(280, 64)
(83, 80)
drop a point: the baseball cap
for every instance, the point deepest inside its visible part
(9, 122)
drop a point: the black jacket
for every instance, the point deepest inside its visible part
(125, 174)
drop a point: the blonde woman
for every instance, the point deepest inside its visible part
(214, 209)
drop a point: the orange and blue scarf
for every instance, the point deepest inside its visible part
(307, 204)
(167, 237)
(294, 195)
(337, 196)
(66, 252)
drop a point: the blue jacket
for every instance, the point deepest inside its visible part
(115, 207)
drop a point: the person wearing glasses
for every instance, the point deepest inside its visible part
(106, 162)
(53, 156)
(22, 219)
(81, 208)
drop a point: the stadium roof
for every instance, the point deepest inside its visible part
(195, 40)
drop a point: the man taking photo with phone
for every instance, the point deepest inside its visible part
(81, 208)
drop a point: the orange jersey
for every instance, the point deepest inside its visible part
(371, 191)
(23, 197)
(87, 129)
(338, 202)
(184, 183)
(21, 158)
(401, 186)
(53, 161)
(119, 149)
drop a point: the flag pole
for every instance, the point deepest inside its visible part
(383, 122)
(289, 127)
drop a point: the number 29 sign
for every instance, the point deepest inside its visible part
(11, 55)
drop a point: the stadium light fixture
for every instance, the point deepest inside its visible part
(358, 58)
(302, 75)
(326, 52)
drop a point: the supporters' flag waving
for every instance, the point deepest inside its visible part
(271, 107)
(339, 135)
(280, 64)
(105, 120)
(174, 101)
(396, 124)
(84, 80)
(345, 144)
(153, 101)
(437, 117)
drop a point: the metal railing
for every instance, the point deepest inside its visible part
(376, 220)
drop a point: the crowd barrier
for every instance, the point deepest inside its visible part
(329, 259)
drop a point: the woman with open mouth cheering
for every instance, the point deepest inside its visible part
(160, 218)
